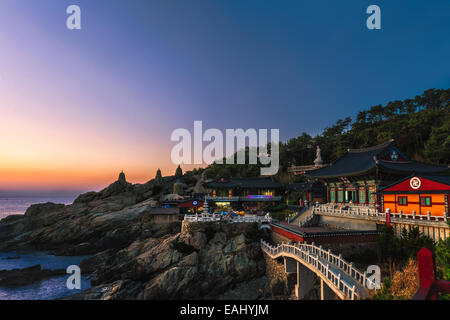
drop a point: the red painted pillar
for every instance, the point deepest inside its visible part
(426, 270)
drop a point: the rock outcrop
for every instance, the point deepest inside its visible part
(111, 218)
(26, 276)
(207, 261)
(134, 258)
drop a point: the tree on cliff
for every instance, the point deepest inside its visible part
(420, 126)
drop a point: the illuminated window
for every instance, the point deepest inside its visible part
(402, 201)
(340, 195)
(332, 196)
(425, 201)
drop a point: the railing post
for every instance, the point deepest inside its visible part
(353, 293)
(364, 279)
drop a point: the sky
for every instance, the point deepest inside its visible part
(79, 106)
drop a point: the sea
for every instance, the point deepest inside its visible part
(47, 289)
(18, 205)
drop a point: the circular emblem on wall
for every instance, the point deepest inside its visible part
(394, 156)
(415, 183)
(194, 203)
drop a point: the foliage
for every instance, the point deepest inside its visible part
(394, 249)
(388, 243)
(277, 208)
(403, 286)
(253, 234)
(385, 292)
(420, 127)
(443, 257)
(280, 215)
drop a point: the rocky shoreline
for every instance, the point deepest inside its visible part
(26, 276)
(134, 258)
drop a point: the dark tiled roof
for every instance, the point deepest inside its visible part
(304, 186)
(412, 166)
(440, 179)
(251, 183)
(300, 186)
(358, 161)
(354, 162)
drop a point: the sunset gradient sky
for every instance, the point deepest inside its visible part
(77, 107)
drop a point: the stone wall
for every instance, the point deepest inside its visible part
(347, 223)
(350, 248)
(281, 284)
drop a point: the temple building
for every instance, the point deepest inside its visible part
(417, 194)
(307, 192)
(357, 176)
(244, 193)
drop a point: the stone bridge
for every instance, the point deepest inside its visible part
(337, 276)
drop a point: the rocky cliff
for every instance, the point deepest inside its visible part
(111, 218)
(133, 258)
(204, 262)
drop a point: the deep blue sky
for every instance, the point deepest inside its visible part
(140, 69)
(294, 65)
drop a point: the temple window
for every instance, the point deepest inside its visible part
(402, 201)
(425, 201)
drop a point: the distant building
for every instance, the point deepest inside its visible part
(191, 206)
(244, 193)
(312, 191)
(357, 176)
(164, 215)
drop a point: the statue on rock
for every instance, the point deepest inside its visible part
(178, 173)
(122, 177)
(158, 177)
(318, 162)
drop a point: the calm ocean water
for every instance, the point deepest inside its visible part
(50, 288)
(47, 289)
(18, 205)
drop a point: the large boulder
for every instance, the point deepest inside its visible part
(203, 262)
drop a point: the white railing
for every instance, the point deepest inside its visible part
(302, 223)
(370, 212)
(222, 199)
(202, 217)
(238, 219)
(320, 259)
(241, 198)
